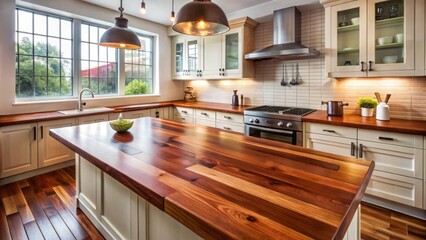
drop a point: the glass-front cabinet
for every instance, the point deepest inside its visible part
(372, 38)
(186, 57)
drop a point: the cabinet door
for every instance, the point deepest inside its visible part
(18, 149)
(391, 37)
(178, 51)
(336, 145)
(137, 114)
(393, 159)
(50, 151)
(232, 53)
(193, 57)
(92, 119)
(119, 209)
(88, 187)
(212, 57)
(348, 39)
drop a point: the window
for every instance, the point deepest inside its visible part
(98, 64)
(44, 62)
(46, 68)
(138, 68)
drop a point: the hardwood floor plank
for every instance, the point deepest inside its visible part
(60, 227)
(33, 231)
(39, 214)
(69, 201)
(4, 226)
(9, 205)
(21, 204)
(16, 227)
(23, 183)
(88, 226)
(72, 223)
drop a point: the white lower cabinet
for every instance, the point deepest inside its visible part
(399, 171)
(18, 149)
(137, 114)
(119, 213)
(92, 119)
(50, 151)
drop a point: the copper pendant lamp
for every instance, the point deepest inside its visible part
(120, 36)
(201, 18)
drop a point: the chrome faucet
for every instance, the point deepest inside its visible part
(81, 104)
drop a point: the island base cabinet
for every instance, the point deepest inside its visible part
(119, 213)
(354, 230)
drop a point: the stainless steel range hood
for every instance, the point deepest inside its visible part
(287, 39)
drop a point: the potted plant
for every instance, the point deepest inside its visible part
(367, 104)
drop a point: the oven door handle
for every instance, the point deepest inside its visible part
(271, 129)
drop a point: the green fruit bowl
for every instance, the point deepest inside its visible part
(121, 125)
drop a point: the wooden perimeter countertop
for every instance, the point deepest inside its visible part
(357, 121)
(225, 185)
(13, 119)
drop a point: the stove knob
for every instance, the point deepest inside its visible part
(280, 124)
(289, 125)
(256, 121)
(251, 120)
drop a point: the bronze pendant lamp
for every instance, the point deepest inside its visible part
(120, 36)
(201, 18)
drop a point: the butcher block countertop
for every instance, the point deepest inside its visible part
(357, 121)
(6, 120)
(225, 185)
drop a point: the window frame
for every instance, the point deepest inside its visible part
(76, 60)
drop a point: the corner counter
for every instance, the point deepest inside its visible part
(220, 185)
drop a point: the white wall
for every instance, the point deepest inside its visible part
(169, 90)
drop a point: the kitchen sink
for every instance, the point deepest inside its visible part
(86, 110)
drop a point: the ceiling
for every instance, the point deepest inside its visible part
(159, 10)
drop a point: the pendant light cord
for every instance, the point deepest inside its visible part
(121, 9)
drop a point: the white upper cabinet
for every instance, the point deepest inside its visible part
(373, 38)
(187, 57)
(215, 57)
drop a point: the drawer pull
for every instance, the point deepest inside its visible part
(330, 131)
(184, 112)
(183, 119)
(352, 149)
(360, 151)
(35, 133)
(205, 114)
(385, 138)
(227, 128)
(227, 117)
(41, 132)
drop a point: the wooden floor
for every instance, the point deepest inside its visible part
(45, 207)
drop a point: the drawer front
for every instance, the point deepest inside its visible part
(205, 114)
(205, 122)
(394, 159)
(137, 114)
(230, 127)
(405, 190)
(330, 144)
(184, 119)
(184, 111)
(157, 113)
(400, 139)
(230, 117)
(330, 130)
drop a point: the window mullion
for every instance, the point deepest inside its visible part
(121, 71)
(77, 81)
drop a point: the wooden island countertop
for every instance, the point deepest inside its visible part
(225, 185)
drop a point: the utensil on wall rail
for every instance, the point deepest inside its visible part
(283, 80)
(296, 80)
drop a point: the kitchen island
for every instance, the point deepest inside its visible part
(216, 184)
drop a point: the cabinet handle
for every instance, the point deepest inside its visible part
(157, 114)
(35, 133)
(227, 117)
(362, 66)
(41, 132)
(205, 114)
(227, 128)
(330, 131)
(182, 119)
(184, 112)
(360, 151)
(386, 138)
(370, 66)
(352, 149)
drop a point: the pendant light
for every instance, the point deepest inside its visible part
(143, 8)
(120, 36)
(172, 14)
(201, 18)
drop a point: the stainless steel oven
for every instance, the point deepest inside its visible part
(281, 124)
(286, 136)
